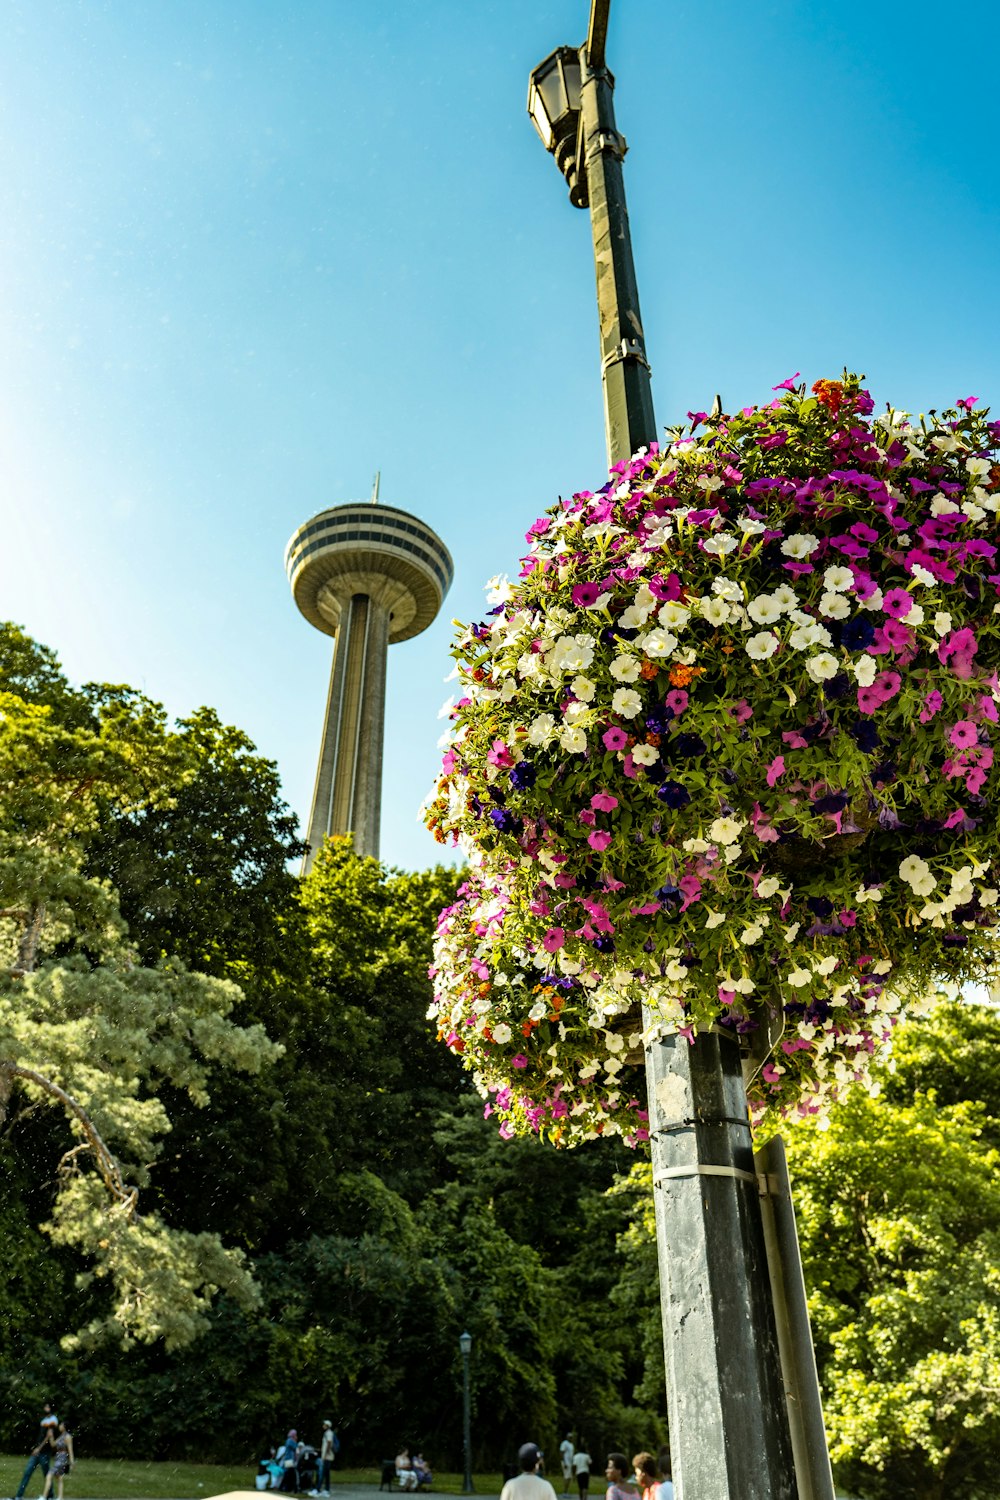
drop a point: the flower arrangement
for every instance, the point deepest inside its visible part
(726, 749)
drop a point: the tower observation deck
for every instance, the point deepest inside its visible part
(369, 575)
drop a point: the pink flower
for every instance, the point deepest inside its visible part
(957, 650)
(789, 384)
(963, 734)
(869, 699)
(599, 839)
(975, 780)
(506, 1131)
(897, 603)
(614, 738)
(888, 685)
(677, 701)
(554, 939)
(499, 755)
(741, 711)
(775, 769)
(603, 802)
(519, 1060)
(988, 709)
(933, 704)
(586, 595)
(588, 817)
(967, 401)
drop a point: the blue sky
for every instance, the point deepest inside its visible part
(252, 252)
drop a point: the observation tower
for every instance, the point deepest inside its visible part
(369, 575)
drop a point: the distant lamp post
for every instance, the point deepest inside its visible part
(465, 1344)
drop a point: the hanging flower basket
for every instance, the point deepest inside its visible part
(726, 747)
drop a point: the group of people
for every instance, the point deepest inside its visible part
(413, 1473)
(287, 1463)
(52, 1453)
(645, 1478)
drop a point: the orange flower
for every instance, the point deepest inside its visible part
(829, 393)
(681, 676)
(653, 739)
(648, 671)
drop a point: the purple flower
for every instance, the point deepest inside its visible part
(586, 595)
(789, 384)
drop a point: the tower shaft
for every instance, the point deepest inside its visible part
(348, 791)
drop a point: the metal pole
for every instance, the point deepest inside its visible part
(468, 1488)
(728, 1422)
(791, 1313)
(628, 399)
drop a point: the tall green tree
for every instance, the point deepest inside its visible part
(86, 1029)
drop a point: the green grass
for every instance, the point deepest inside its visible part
(135, 1479)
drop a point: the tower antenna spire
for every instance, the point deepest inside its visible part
(375, 484)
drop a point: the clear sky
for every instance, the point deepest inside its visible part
(253, 251)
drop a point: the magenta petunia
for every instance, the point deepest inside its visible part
(869, 699)
(963, 734)
(897, 603)
(599, 839)
(586, 595)
(554, 939)
(933, 704)
(614, 738)
(776, 769)
(603, 802)
(677, 701)
(519, 1060)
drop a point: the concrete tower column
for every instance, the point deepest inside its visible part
(369, 575)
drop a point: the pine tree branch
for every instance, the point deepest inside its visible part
(107, 1162)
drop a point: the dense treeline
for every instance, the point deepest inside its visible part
(378, 1212)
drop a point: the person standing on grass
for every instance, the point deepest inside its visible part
(529, 1484)
(581, 1468)
(566, 1459)
(62, 1462)
(327, 1453)
(41, 1453)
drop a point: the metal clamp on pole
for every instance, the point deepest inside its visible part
(614, 142)
(698, 1169)
(627, 349)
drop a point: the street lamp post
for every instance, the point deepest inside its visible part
(729, 1418)
(465, 1344)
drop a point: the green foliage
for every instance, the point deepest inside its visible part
(899, 1217)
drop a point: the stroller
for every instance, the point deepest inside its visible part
(269, 1474)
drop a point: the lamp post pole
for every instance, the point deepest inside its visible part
(729, 1425)
(465, 1344)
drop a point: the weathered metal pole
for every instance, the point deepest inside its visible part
(728, 1420)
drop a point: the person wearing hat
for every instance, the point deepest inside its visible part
(327, 1453)
(529, 1484)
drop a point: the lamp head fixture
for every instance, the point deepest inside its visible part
(554, 107)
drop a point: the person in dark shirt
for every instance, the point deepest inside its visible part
(41, 1453)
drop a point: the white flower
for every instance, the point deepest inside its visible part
(834, 606)
(633, 618)
(979, 468)
(658, 643)
(799, 546)
(874, 601)
(499, 589)
(867, 893)
(626, 702)
(764, 610)
(695, 846)
(826, 965)
(916, 615)
(715, 611)
(573, 739)
(813, 634)
(821, 668)
(727, 589)
(751, 934)
(582, 688)
(799, 977)
(537, 1011)
(713, 919)
(541, 730)
(865, 670)
(942, 622)
(922, 575)
(768, 886)
(645, 755)
(916, 872)
(785, 595)
(837, 579)
(571, 653)
(726, 830)
(721, 544)
(501, 1032)
(574, 712)
(673, 616)
(624, 669)
(749, 526)
(762, 645)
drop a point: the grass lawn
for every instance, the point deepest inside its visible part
(135, 1479)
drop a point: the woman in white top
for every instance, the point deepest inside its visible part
(581, 1468)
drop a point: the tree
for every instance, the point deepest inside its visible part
(899, 1219)
(85, 1028)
